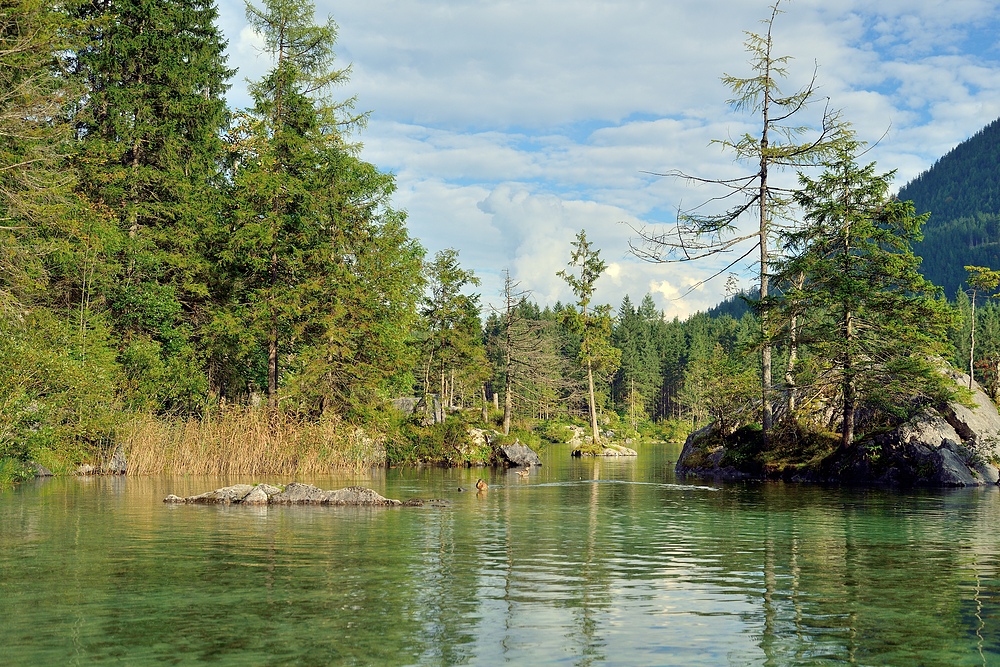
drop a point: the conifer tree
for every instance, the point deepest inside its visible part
(638, 374)
(150, 154)
(981, 279)
(779, 145)
(592, 324)
(874, 323)
(278, 148)
(453, 344)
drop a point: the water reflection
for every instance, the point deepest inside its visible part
(584, 562)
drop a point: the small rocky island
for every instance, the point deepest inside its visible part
(956, 444)
(293, 494)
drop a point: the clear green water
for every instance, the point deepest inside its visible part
(585, 562)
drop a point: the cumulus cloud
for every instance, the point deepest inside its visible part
(511, 126)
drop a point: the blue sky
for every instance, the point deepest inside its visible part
(513, 124)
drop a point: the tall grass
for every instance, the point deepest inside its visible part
(247, 442)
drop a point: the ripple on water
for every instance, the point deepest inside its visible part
(635, 569)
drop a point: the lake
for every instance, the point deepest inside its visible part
(585, 562)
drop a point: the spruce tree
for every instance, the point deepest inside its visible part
(277, 185)
(150, 154)
(874, 324)
(453, 345)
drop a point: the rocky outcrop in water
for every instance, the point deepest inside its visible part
(38, 469)
(115, 465)
(607, 450)
(519, 455)
(953, 445)
(293, 494)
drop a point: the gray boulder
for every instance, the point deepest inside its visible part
(117, 465)
(609, 450)
(405, 404)
(519, 455)
(293, 494)
(39, 469)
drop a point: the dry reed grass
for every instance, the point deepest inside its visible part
(246, 442)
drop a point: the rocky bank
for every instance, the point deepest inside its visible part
(954, 445)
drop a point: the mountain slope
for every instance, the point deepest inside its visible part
(962, 193)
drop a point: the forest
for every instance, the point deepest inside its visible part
(961, 191)
(219, 287)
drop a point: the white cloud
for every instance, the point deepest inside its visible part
(511, 126)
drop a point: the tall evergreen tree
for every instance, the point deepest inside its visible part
(280, 235)
(638, 374)
(150, 154)
(779, 145)
(874, 323)
(591, 323)
(453, 345)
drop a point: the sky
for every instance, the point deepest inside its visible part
(511, 125)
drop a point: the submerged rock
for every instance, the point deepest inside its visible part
(293, 494)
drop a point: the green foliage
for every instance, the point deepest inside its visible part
(593, 325)
(724, 387)
(55, 392)
(669, 430)
(873, 323)
(554, 431)
(743, 447)
(453, 357)
(13, 471)
(447, 443)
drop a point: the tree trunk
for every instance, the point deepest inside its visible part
(793, 353)
(508, 407)
(272, 343)
(593, 406)
(972, 340)
(849, 385)
(272, 367)
(765, 351)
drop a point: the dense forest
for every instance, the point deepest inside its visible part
(961, 192)
(169, 261)
(180, 277)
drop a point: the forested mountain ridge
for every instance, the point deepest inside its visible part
(961, 191)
